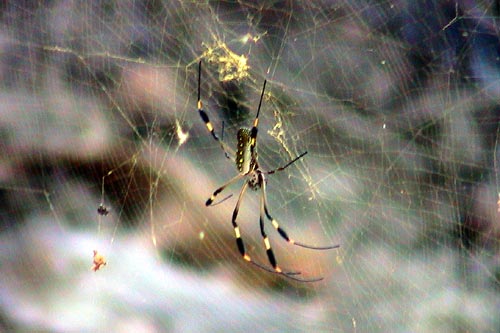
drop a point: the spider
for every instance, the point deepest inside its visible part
(249, 169)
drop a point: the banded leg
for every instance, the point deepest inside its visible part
(270, 254)
(241, 244)
(227, 151)
(237, 234)
(286, 165)
(281, 231)
(267, 244)
(220, 189)
(254, 130)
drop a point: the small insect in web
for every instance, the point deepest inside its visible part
(249, 169)
(102, 210)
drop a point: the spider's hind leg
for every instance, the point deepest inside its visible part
(241, 245)
(269, 251)
(281, 231)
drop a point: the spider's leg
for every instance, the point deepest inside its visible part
(254, 130)
(269, 250)
(241, 245)
(237, 234)
(281, 231)
(288, 275)
(220, 189)
(286, 165)
(227, 151)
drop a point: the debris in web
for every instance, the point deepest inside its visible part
(99, 260)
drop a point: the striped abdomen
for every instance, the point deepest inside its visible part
(244, 160)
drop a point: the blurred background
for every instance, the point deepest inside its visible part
(396, 103)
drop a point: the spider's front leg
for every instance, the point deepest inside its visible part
(254, 130)
(204, 116)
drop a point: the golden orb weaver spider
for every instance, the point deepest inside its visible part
(248, 167)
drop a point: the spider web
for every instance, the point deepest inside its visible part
(396, 103)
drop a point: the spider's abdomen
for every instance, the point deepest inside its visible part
(244, 159)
